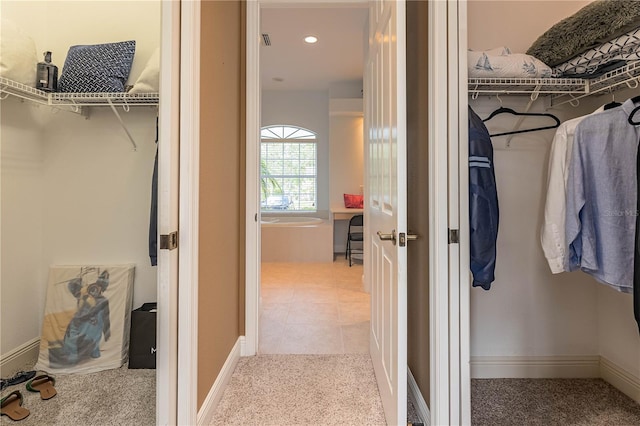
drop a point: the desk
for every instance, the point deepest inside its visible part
(342, 215)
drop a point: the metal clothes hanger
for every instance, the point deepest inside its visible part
(635, 99)
(503, 110)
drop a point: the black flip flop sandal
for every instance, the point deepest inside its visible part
(20, 377)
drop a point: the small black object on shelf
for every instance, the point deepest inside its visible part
(47, 75)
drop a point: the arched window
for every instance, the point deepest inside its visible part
(288, 169)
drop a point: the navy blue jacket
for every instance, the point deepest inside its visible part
(483, 203)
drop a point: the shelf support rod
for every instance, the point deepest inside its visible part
(124, 127)
(521, 119)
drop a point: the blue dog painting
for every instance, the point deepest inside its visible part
(90, 321)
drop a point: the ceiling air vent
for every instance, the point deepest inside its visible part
(266, 40)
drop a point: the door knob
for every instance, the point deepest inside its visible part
(388, 237)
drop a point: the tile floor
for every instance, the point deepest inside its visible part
(313, 308)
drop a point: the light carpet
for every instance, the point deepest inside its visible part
(302, 389)
(550, 402)
(116, 397)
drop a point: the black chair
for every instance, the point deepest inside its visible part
(355, 235)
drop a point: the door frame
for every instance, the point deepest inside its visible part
(252, 149)
(448, 201)
(187, 380)
(168, 206)
(449, 209)
(178, 196)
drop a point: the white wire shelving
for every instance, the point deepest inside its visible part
(78, 102)
(561, 90)
(75, 100)
(525, 86)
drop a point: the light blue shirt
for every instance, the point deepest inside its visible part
(601, 197)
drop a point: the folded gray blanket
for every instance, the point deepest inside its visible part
(594, 24)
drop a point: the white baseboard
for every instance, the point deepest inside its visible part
(535, 367)
(620, 378)
(417, 399)
(557, 367)
(206, 412)
(243, 346)
(16, 359)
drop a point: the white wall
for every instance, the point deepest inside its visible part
(618, 337)
(97, 193)
(21, 230)
(346, 142)
(529, 311)
(308, 109)
(346, 155)
(340, 138)
(75, 191)
(346, 89)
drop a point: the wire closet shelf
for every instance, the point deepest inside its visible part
(561, 90)
(74, 101)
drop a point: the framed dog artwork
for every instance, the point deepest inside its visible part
(86, 319)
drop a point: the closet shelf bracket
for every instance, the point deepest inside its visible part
(79, 103)
(521, 120)
(122, 123)
(532, 99)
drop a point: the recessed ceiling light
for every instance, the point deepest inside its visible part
(310, 39)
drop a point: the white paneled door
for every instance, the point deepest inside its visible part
(386, 209)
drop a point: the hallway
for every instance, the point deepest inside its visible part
(301, 389)
(313, 365)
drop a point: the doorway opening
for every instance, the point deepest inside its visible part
(311, 154)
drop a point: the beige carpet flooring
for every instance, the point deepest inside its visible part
(550, 402)
(282, 390)
(115, 397)
(302, 390)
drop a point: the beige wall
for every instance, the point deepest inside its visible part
(515, 24)
(221, 275)
(418, 195)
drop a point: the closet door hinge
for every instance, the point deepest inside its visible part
(454, 236)
(169, 241)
